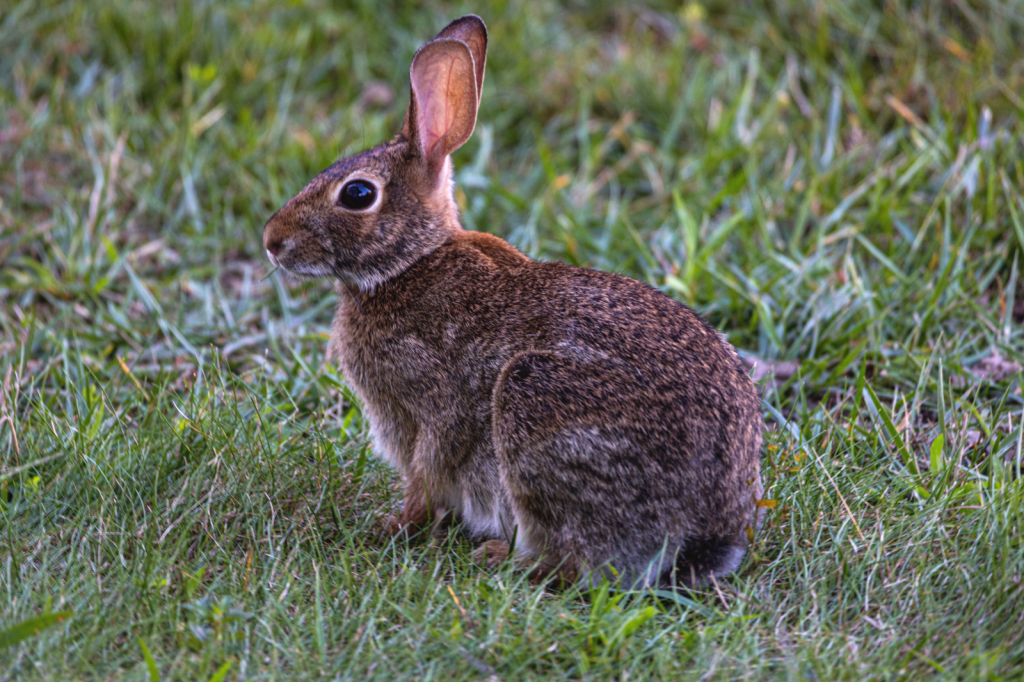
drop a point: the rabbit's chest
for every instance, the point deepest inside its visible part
(416, 381)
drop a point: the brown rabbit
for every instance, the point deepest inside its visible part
(596, 424)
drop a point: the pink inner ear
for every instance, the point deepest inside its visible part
(437, 97)
(444, 86)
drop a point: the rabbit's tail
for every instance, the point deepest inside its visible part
(703, 557)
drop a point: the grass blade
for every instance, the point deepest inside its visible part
(154, 674)
(31, 627)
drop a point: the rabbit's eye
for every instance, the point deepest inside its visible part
(357, 194)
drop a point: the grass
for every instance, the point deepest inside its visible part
(187, 488)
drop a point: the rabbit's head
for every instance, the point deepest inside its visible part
(368, 217)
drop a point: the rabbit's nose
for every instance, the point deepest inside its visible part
(273, 236)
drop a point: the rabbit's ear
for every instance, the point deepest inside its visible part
(471, 30)
(443, 102)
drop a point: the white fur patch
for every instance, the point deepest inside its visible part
(483, 521)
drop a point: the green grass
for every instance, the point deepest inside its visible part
(839, 183)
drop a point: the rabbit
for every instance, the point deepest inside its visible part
(581, 421)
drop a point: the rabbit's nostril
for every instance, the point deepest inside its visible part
(273, 246)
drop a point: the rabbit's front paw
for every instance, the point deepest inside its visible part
(391, 525)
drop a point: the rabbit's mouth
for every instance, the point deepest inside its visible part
(306, 271)
(299, 269)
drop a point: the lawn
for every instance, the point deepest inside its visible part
(187, 487)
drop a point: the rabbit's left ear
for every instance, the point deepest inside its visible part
(443, 102)
(471, 30)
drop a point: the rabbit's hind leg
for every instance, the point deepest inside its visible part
(493, 553)
(573, 468)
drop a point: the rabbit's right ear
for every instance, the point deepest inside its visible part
(443, 102)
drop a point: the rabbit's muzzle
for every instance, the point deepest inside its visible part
(295, 250)
(296, 242)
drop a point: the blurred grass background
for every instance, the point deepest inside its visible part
(186, 487)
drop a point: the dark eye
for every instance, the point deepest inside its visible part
(357, 194)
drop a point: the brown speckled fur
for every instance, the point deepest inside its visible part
(582, 414)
